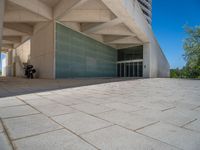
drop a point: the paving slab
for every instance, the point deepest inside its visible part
(97, 100)
(195, 126)
(155, 104)
(80, 122)
(91, 108)
(173, 135)
(123, 107)
(54, 109)
(39, 102)
(179, 117)
(29, 125)
(44, 93)
(174, 116)
(65, 100)
(1, 127)
(148, 113)
(126, 120)
(10, 102)
(17, 111)
(8, 98)
(197, 109)
(29, 96)
(56, 140)
(184, 105)
(117, 138)
(4, 143)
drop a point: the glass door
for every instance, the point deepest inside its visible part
(130, 69)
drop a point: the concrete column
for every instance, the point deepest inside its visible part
(146, 60)
(42, 54)
(2, 8)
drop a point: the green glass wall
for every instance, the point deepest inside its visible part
(80, 56)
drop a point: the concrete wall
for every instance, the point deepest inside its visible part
(21, 55)
(158, 63)
(154, 59)
(42, 51)
(146, 60)
(80, 56)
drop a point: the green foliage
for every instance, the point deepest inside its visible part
(192, 55)
(179, 73)
(174, 73)
(192, 51)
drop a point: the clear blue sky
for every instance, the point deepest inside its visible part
(1, 56)
(169, 17)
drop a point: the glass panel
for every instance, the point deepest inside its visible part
(138, 69)
(135, 69)
(80, 56)
(131, 69)
(127, 69)
(118, 70)
(130, 53)
(122, 70)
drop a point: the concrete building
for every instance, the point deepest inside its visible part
(81, 38)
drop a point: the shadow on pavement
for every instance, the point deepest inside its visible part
(18, 86)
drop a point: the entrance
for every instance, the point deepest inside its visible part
(130, 62)
(132, 68)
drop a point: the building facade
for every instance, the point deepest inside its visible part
(81, 38)
(146, 6)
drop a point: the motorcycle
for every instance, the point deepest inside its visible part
(29, 71)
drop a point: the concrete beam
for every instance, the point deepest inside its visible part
(94, 28)
(122, 46)
(73, 25)
(10, 32)
(120, 30)
(35, 6)
(6, 42)
(4, 50)
(14, 39)
(7, 46)
(131, 15)
(87, 16)
(111, 38)
(21, 27)
(126, 40)
(65, 6)
(22, 16)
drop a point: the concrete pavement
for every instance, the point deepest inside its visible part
(135, 114)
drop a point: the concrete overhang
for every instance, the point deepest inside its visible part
(117, 23)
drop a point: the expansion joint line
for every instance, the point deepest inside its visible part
(7, 134)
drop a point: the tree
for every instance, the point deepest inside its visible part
(174, 73)
(179, 73)
(192, 52)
